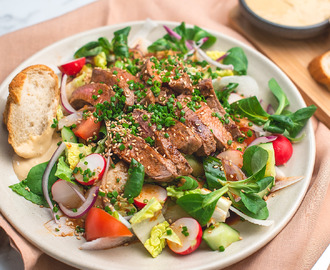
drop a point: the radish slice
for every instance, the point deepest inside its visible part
(66, 194)
(83, 209)
(283, 182)
(64, 99)
(190, 233)
(233, 97)
(70, 119)
(265, 139)
(91, 168)
(235, 156)
(105, 243)
(232, 171)
(148, 191)
(45, 177)
(252, 220)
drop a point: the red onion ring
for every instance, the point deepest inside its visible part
(83, 209)
(45, 177)
(270, 109)
(283, 182)
(64, 99)
(176, 35)
(70, 119)
(211, 61)
(222, 57)
(265, 139)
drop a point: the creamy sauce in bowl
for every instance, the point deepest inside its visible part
(296, 13)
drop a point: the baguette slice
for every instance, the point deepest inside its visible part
(319, 68)
(31, 107)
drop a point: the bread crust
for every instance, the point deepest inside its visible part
(15, 98)
(317, 69)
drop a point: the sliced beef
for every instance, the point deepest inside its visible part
(116, 77)
(90, 94)
(220, 133)
(145, 129)
(156, 166)
(206, 88)
(184, 138)
(178, 80)
(166, 148)
(193, 121)
(146, 97)
(162, 144)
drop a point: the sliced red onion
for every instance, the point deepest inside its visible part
(45, 177)
(176, 35)
(105, 242)
(70, 119)
(270, 109)
(252, 220)
(83, 209)
(265, 139)
(64, 99)
(283, 182)
(211, 61)
(222, 56)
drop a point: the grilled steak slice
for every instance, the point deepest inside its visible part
(220, 133)
(144, 128)
(163, 145)
(118, 77)
(166, 148)
(178, 80)
(156, 166)
(184, 138)
(207, 90)
(89, 95)
(193, 121)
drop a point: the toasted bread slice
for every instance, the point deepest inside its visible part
(31, 107)
(319, 68)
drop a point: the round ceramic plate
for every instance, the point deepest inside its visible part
(29, 219)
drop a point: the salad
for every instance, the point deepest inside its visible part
(156, 146)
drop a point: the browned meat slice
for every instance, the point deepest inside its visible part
(184, 138)
(143, 118)
(166, 148)
(163, 145)
(220, 133)
(207, 90)
(147, 97)
(116, 76)
(90, 94)
(175, 77)
(193, 121)
(156, 166)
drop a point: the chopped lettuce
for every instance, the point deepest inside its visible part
(63, 170)
(100, 60)
(174, 192)
(146, 212)
(156, 243)
(75, 151)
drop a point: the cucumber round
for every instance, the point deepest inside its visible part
(220, 236)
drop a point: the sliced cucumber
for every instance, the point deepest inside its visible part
(270, 167)
(220, 236)
(68, 135)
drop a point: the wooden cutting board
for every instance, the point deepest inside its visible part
(293, 57)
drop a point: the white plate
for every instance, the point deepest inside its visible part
(29, 219)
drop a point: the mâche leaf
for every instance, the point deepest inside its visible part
(279, 94)
(238, 59)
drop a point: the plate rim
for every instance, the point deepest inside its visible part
(308, 129)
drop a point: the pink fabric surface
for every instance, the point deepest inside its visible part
(301, 242)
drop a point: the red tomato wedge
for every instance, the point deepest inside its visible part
(73, 67)
(87, 128)
(99, 223)
(248, 139)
